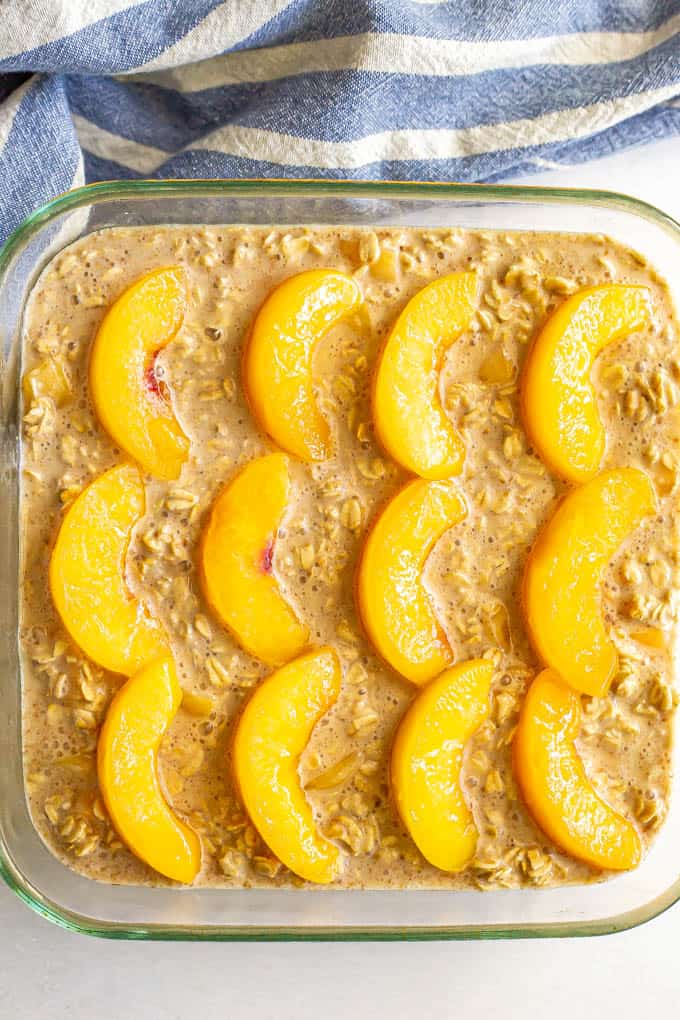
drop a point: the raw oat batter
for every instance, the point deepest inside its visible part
(473, 574)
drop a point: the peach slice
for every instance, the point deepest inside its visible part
(127, 751)
(270, 736)
(277, 361)
(557, 397)
(409, 420)
(554, 785)
(427, 757)
(236, 562)
(130, 400)
(87, 574)
(562, 579)
(392, 602)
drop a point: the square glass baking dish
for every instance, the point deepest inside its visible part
(161, 913)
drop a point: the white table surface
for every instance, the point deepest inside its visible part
(47, 973)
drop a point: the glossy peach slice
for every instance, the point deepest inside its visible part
(130, 400)
(87, 574)
(562, 580)
(392, 601)
(277, 361)
(270, 736)
(409, 420)
(426, 762)
(554, 785)
(557, 397)
(127, 751)
(236, 562)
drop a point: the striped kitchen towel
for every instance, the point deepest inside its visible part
(468, 90)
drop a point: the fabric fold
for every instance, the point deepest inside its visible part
(410, 90)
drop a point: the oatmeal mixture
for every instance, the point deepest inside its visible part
(473, 575)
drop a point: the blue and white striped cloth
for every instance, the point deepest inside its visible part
(468, 90)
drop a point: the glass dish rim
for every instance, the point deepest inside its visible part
(204, 187)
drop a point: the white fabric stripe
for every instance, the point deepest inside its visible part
(8, 109)
(559, 125)
(142, 158)
(31, 24)
(289, 150)
(410, 55)
(225, 26)
(79, 175)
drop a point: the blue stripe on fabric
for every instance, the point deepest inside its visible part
(41, 154)
(347, 105)
(118, 43)
(131, 38)
(658, 122)
(99, 169)
(142, 113)
(482, 20)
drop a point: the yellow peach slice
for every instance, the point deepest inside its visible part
(236, 562)
(130, 400)
(557, 397)
(392, 601)
(270, 736)
(127, 768)
(426, 762)
(409, 420)
(277, 361)
(562, 580)
(87, 574)
(554, 785)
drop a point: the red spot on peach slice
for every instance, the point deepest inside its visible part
(236, 560)
(267, 557)
(153, 381)
(150, 378)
